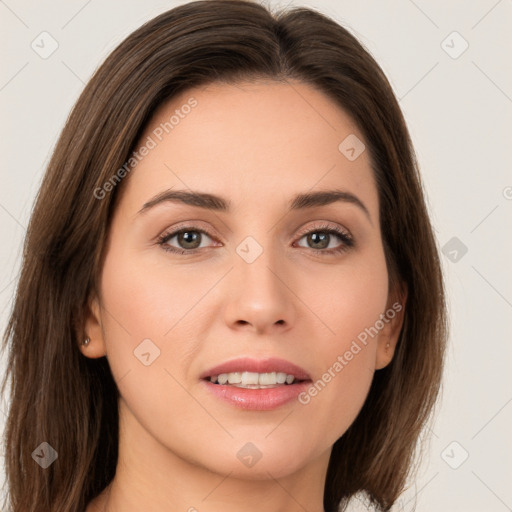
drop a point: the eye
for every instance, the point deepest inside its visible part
(321, 239)
(189, 240)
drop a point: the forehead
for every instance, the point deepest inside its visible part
(252, 140)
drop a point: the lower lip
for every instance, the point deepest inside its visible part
(257, 399)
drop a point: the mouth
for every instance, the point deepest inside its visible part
(252, 373)
(256, 384)
(254, 380)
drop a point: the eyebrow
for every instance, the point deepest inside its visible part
(217, 203)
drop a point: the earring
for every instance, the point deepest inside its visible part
(86, 341)
(387, 346)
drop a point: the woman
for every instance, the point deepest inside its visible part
(231, 296)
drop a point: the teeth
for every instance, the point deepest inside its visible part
(250, 379)
(281, 378)
(234, 378)
(267, 378)
(223, 378)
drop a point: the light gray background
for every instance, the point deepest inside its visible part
(459, 112)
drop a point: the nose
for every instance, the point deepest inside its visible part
(260, 295)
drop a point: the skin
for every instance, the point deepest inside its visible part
(256, 143)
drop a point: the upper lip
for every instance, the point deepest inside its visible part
(246, 364)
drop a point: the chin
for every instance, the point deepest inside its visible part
(258, 459)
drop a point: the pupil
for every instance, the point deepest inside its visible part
(323, 238)
(189, 237)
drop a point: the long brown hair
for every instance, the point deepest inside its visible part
(70, 401)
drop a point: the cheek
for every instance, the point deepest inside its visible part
(145, 297)
(147, 324)
(146, 310)
(349, 304)
(348, 300)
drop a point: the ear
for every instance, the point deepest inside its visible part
(393, 319)
(93, 330)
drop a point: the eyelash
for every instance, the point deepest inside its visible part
(348, 241)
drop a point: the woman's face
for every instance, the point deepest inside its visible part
(258, 272)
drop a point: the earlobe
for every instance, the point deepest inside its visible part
(92, 343)
(393, 320)
(384, 354)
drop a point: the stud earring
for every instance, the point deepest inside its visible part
(387, 346)
(86, 341)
